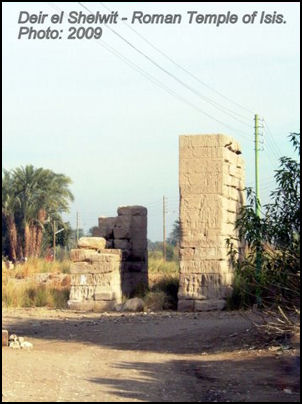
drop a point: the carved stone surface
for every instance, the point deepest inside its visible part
(211, 183)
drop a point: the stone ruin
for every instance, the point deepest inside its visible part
(114, 263)
(211, 182)
(111, 264)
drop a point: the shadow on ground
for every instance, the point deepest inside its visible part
(253, 380)
(183, 334)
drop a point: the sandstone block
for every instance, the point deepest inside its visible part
(138, 226)
(104, 296)
(200, 152)
(198, 166)
(82, 293)
(122, 244)
(94, 243)
(204, 267)
(134, 266)
(97, 306)
(111, 251)
(81, 255)
(196, 184)
(106, 225)
(213, 140)
(137, 253)
(95, 267)
(93, 279)
(132, 210)
(122, 227)
(206, 253)
(209, 305)
(204, 240)
(185, 305)
(199, 286)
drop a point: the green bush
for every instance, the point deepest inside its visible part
(268, 272)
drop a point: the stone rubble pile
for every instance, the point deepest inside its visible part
(16, 342)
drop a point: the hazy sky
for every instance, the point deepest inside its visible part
(74, 107)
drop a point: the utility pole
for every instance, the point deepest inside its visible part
(54, 240)
(77, 233)
(257, 206)
(257, 201)
(164, 229)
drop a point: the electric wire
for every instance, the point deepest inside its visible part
(221, 108)
(184, 69)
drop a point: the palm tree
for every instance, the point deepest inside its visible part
(10, 203)
(40, 193)
(26, 185)
(52, 199)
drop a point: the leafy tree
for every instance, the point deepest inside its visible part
(174, 236)
(10, 204)
(155, 245)
(63, 239)
(30, 198)
(276, 236)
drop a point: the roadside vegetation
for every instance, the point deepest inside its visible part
(163, 280)
(267, 274)
(36, 283)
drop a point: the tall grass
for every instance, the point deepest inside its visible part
(30, 294)
(20, 287)
(38, 266)
(163, 283)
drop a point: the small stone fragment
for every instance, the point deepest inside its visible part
(14, 345)
(135, 304)
(26, 345)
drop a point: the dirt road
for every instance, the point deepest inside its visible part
(172, 357)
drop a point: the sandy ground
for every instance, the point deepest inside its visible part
(160, 357)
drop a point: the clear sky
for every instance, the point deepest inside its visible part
(74, 107)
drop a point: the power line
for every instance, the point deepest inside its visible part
(165, 88)
(162, 86)
(274, 144)
(168, 73)
(184, 69)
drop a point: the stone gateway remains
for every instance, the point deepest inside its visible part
(114, 263)
(211, 183)
(111, 265)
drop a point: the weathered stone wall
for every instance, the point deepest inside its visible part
(128, 232)
(95, 277)
(211, 182)
(111, 264)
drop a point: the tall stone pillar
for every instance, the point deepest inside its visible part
(211, 182)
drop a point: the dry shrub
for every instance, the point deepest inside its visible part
(28, 293)
(39, 265)
(155, 301)
(161, 267)
(281, 324)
